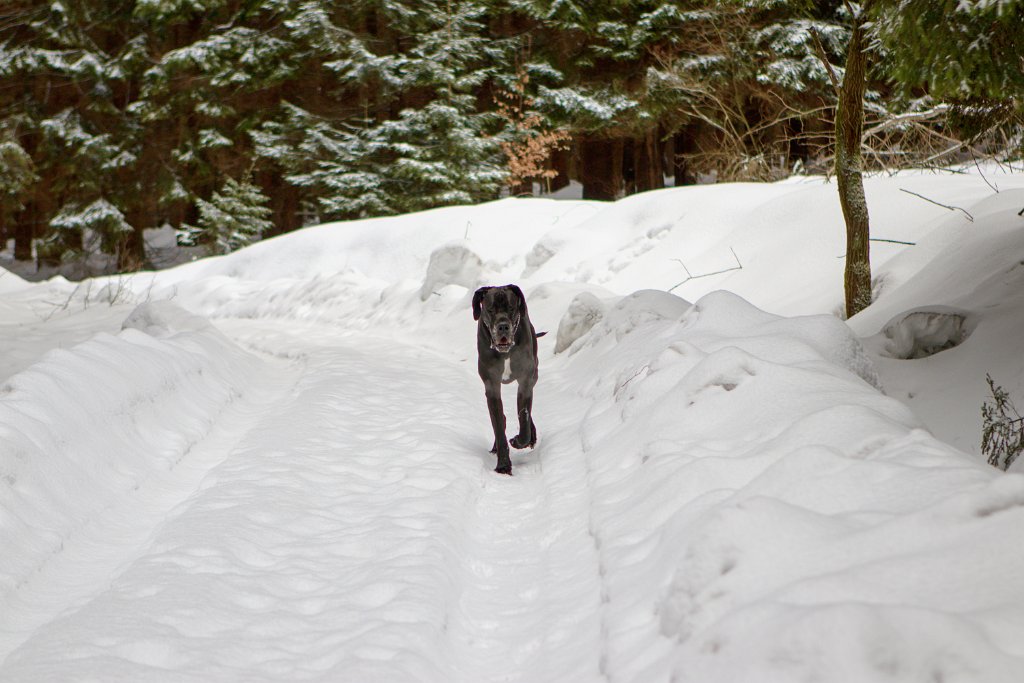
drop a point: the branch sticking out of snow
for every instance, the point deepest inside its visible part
(945, 206)
(738, 266)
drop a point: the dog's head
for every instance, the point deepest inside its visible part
(500, 310)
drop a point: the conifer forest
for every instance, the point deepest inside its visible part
(234, 120)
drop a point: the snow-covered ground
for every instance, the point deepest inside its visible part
(273, 465)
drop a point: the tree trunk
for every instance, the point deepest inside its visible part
(849, 125)
(648, 162)
(683, 143)
(559, 162)
(285, 203)
(523, 189)
(616, 181)
(24, 225)
(601, 168)
(131, 252)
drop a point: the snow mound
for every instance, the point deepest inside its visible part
(164, 319)
(925, 332)
(750, 485)
(585, 310)
(9, 282)
(624, 317)
(540, 254)
(733, 317)
(89, 427)
(452, 264)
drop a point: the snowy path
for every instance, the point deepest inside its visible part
(351, 530)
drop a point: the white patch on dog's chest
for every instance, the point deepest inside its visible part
(506, 373)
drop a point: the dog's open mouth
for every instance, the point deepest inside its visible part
(503, 345)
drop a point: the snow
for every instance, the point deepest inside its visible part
(272, 465)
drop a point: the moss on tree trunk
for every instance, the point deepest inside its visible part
(849, 127)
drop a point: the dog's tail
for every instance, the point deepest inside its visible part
(541, 334)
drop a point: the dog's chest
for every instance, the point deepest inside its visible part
(506, 371)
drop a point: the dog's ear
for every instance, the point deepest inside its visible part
(522, 299)
(478, 299)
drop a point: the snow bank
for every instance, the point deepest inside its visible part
(726, 491)
(969, 265)
(9, 282)
(763, 513)
(88, 428)
(395, 248)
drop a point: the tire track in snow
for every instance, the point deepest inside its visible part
(530, 606)
(523, 574)
(356, 532)
(320, 547)
(107, 543)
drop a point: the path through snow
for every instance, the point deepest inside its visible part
(353, 530)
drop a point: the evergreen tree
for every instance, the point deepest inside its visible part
(17, 174)
(60, 66)
(968, 53)
(436, 148)
(116, 117)
(959, 49)
(233, 218)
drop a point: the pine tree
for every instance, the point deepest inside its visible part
(59, 66)
(958, 49)
(17, 175)
(233, 218)
(421, 141)
(966, 53)
(99, 219)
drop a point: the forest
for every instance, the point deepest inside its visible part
(234, 120)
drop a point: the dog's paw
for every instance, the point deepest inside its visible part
(516, 442)
(504, 469)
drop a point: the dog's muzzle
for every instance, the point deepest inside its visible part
(503, 336)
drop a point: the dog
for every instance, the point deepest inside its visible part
(506, 345)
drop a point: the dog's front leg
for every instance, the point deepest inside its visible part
(527, 436)
(493, 392)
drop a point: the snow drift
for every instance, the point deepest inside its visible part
(274, 464)
(87, 429)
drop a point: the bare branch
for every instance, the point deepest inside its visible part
(738, 266)
(820, 50)
(982, 173)
(879, 239)
(945, 206)
(910, 117)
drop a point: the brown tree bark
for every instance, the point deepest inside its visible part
(647, 159)
(849, 126)
(285, 202)
(131, 252)
(601, 168)
(683, 143)
(559, 162)
(616, 181)
(24, 229)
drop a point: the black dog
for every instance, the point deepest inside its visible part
(506, 345)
